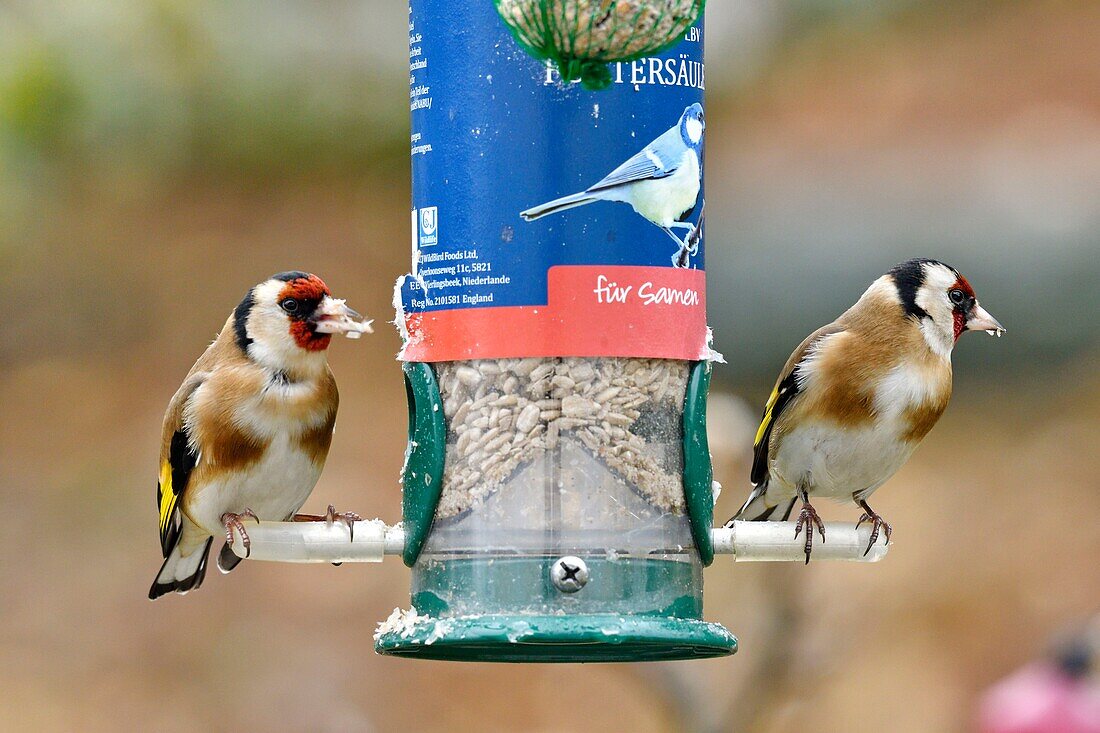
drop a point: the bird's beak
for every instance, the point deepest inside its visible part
(981, 320)
(334, 316)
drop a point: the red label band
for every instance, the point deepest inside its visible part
(643, 312)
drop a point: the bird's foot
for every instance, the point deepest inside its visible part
(348, 519)
(689, 247)
(233, 525)
(809, 520)
(877, 524)
(330, 517)
(682, 258)
(695, 235)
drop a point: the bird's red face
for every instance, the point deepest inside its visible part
(940, 300)
(966, 313)
(962, 299)
(302, 299)
(289, 320)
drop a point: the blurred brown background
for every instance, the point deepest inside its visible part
(159, 157)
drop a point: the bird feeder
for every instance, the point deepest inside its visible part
(582, 37)
(557, 489)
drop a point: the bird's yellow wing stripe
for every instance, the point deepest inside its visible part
(168, 497)
(767, 419)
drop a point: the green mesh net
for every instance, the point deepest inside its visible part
(581, 37)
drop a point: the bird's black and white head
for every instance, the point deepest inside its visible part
(942, 302)
(286, 322)
(692, 126)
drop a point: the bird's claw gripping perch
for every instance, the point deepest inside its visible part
(691, 241)
(680, 259)
(233, 524)
(689, 246)
(330, 517)
(348, 519)
(688, 249)
(877, 523)
(808, 520)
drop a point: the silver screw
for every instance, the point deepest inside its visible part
(569, 574)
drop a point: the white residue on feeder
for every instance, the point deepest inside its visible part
(596, 111)
(399, 309)
(402, 623)
(518, 630)
(715, 490)
(407, 339)
(710, 354)
(441, 628)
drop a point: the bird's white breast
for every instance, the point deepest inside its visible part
(274, 487)
(903, 388)
(836, 460)
(664, 200)
(283, 407)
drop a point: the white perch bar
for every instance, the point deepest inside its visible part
(317, 542)
(775, 542)
(320, 542)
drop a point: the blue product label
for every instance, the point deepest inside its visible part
(547, 219)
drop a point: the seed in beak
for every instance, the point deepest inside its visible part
(336, 317)
(981, 320)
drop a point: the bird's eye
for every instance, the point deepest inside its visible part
(957, 296)
(290, 305)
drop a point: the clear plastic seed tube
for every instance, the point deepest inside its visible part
(550, 457)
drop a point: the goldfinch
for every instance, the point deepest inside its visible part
(858, 395)
(247, 433)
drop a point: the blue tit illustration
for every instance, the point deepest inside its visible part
(661, 182)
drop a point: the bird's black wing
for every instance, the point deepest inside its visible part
(786, 390)
(177, 461)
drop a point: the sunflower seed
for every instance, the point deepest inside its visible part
(577, 406)
(528, 418)
(493, 428)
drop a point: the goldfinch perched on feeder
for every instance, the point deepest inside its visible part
(247, 433)
(858, 395)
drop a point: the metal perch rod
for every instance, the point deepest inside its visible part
(319, 542)
(776, 542)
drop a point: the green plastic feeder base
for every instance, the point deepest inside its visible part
(583, 638)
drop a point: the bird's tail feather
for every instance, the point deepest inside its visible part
(227, 559)
(552, 207)
(757, 508)
(180, 574)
